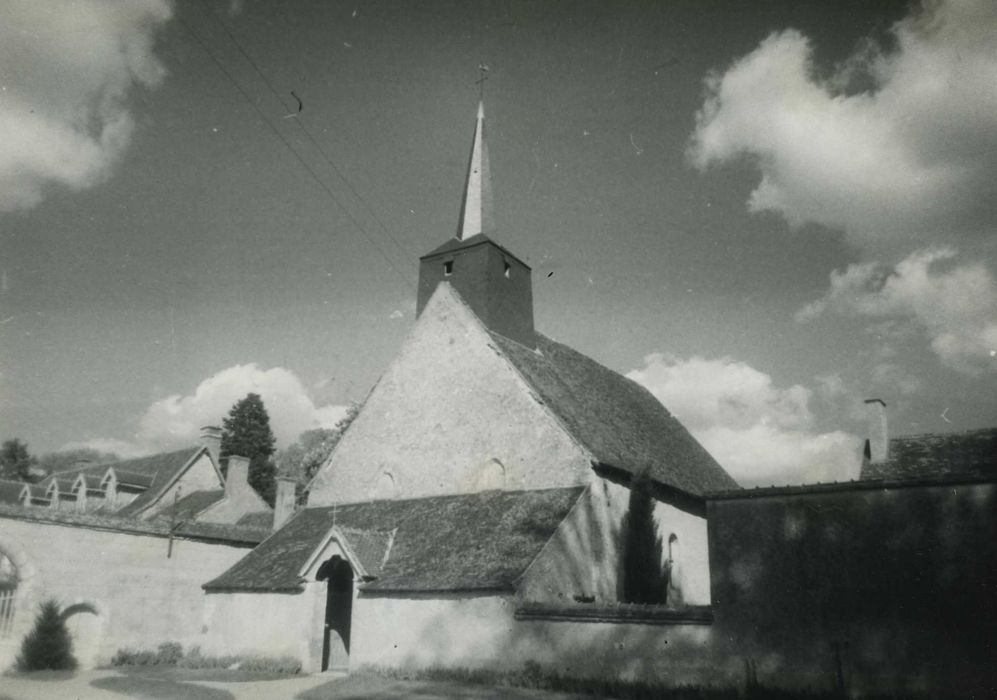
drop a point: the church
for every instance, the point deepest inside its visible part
(475, 515)
(479, 494)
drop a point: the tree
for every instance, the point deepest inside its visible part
(644, 579)
(15, 460)
(305, 457)
(246, 432)
(48, 645)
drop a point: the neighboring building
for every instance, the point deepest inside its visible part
(124, 547)
(478, 497)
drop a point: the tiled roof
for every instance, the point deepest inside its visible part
(970, 455)
(481, 541)
(232, 534)
(260, 519)
(369, 547)
(188, 507)
(457, 244)
(616, 419)
(10, 491)
(159, 469)
(153, 474)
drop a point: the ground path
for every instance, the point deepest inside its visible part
(110, 684)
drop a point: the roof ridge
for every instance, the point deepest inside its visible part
(969, 431)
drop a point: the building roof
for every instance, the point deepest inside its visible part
(617, 420)
(368, 548)
(970, 455)
(189, 506)
(455, 244)
(215, 532)
(481, 541)
(476, 205)
(160, 470)
(153, 474)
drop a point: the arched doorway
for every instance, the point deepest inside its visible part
(338, 574)
(85, 625)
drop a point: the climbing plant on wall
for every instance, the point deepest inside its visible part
(644, 578)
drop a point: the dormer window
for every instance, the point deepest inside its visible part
(448, 268)
(507, 271)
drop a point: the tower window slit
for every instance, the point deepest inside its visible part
(448, 268)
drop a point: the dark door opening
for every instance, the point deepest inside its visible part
(338, 574)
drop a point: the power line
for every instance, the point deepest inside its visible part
(303, 126)
(297, 155)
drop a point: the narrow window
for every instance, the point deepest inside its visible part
(508, 270)
(8, 594)
(448, 268)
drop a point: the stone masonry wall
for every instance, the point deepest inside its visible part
(447, 409)
(141, 597)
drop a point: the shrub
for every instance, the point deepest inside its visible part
(172, 654)
(48, 645)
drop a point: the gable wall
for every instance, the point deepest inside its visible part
(443, 411)
(200, 476)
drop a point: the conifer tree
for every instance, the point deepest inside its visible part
(48, 645)
(15, 460)
(644, 580)
(246, 432)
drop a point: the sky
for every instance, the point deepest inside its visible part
(764, 212)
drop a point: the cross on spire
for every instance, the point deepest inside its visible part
(480, 82)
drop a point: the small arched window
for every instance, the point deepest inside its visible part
(385, 488)
(8, 594)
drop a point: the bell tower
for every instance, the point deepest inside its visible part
(496, 284)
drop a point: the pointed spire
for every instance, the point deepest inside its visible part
(476, 206)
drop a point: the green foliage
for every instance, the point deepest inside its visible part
(644, 579)
(15, 460)
(309, 452)
(48, 645)
(246, 432)
(172, 654)
(166, 654)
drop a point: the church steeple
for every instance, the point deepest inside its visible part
(476, 206)
(494, 282)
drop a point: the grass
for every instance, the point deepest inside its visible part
(172, 655)
(156, 688)
(533, 676)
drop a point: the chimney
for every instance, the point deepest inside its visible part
(237, 476)
(284, 504)
(878, 444)
(211, 437)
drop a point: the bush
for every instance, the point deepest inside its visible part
(48, 646)
(167, 654)
(172, 654)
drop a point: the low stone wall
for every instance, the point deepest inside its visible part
(267, 624)
(486, 631)
(128, 592)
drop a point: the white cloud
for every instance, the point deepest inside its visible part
(66, 67)
(176, 420)
(913, 158)
(956, 305)
(760, 433)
